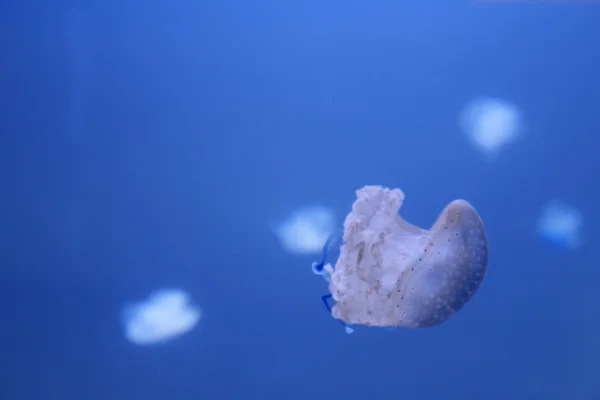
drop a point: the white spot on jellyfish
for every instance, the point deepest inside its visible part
(306, 229)
(560, 224)
(491, 124)
(163, 316)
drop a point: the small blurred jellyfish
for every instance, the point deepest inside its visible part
(165, 315)
(306, 229)
(491, 124)
(560, 224)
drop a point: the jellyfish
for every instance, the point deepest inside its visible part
(166, 314)
(390, 273)
(491, 124)
(560, 225)
(305, 230)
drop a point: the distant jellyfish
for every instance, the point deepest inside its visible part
(491, 124)
(391, 273)
(165, 315)
(305, 230)
(560, 225)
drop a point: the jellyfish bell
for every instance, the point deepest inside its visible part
(164, 315)
(560, 225)
(305, 230)
(391, 273)
(491, 124)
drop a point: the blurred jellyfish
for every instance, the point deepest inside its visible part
(392, 273)
(560, 224)
(491, 124)
(165, 315)
(306, 229)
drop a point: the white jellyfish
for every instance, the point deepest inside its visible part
(491, 124)
(165, 315)
(560, 224)
(391, 273)
(305, 230)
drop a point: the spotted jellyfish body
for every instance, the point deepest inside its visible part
(392, 273)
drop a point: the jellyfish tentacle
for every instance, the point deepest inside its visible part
(325, 299)
(318, 268)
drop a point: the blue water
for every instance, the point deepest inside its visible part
(147, 144)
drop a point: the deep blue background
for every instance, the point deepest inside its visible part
(147, 144)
